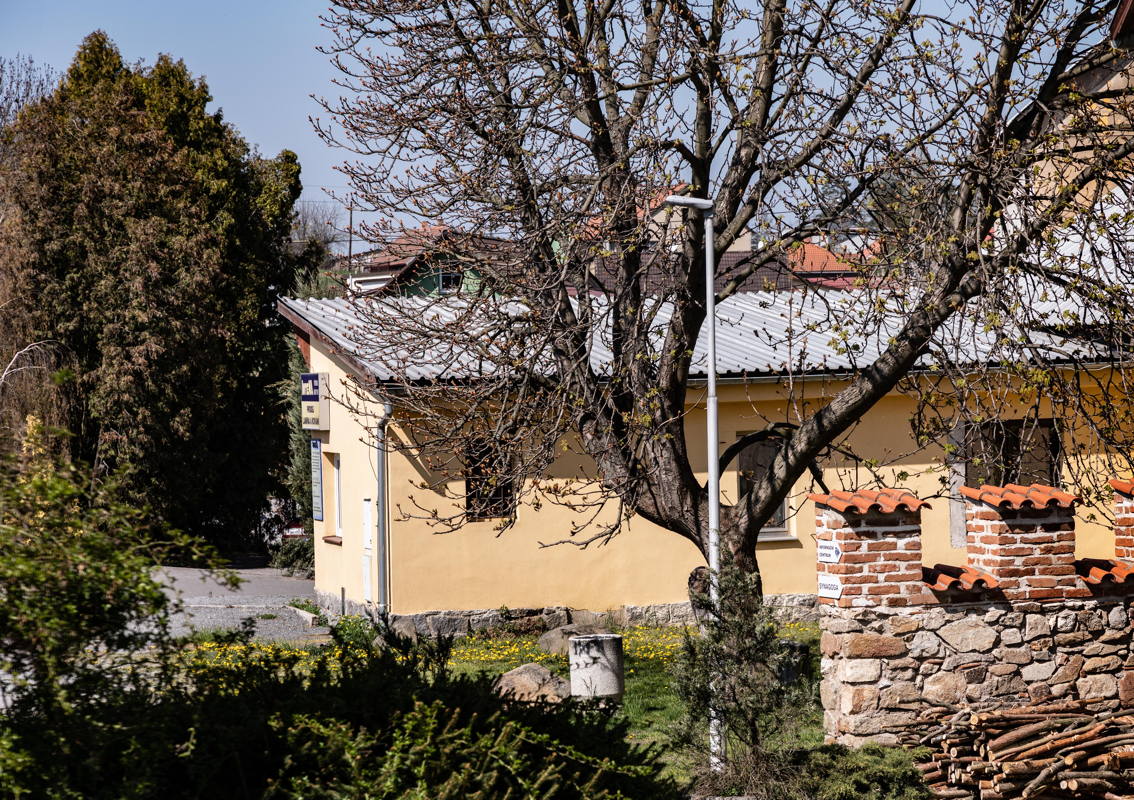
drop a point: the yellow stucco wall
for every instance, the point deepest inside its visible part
(478, 567)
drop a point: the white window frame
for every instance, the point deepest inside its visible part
(338, 496)
(783, 534)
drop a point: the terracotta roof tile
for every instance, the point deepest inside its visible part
(1122, 487)
(1103, 571)
(864, 500)
(1016, 497)
(944, 577)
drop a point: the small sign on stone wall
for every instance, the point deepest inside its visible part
(828, 552)
(830, 586)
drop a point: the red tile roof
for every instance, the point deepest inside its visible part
(1016, 497)
(1122, 487)
(944, 577)
(863, 500)
(1101, 570)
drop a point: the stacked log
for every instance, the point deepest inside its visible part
(1068, 749)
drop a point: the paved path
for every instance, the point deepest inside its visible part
(263, 595)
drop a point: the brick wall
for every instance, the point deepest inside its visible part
(1020, 621)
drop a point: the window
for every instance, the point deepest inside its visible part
(1021, 451)
(338, 496)
(449, 282)
(489, 492)
(753, 462)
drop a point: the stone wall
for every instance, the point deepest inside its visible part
(881, 666)
(1020, 621)
(786, 607)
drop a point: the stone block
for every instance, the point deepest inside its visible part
(1011, 636)
(1126, 689)
(448, 625)
(1092, 620)
(861, 670)
(1014, 655)
(1065, 621)
(934, 619)
(486, 621)
(584, 617)
(944, 687)
(900, 693)
(1102, 664)
(925, 645)
(977, 673)
(830, 644)
(873, 645)
(1072, 638)
(962, 660)
(1118, 618)
(900, 626)
(859, 699)
(1101, 649)
(1012, 619)
(1035, 626)
(1000, 670)
(1034, 673)
(1008, 685)
(1069, 671)
(840, 625)
(1039, 692)
(404, 626)
(969, 634)
(1096, 686)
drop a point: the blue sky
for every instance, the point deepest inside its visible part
(258, 57)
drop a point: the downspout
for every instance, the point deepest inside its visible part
(382, 509)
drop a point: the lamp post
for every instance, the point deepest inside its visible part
(716, 728)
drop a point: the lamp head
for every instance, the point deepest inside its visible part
(684, 201)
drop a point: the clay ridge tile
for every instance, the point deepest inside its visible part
(1122, 487)
(862, 501)
(1016, 497)
(944, 577)
(1102, 570)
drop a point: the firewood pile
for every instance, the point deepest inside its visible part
(1069, 749)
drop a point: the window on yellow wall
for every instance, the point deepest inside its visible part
(1020, 451)
(752, 463)
(338, 496)
(489, 491)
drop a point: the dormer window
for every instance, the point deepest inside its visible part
(449, 282)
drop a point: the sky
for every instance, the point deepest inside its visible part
(257, 56)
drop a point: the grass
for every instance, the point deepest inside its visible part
(650, 704)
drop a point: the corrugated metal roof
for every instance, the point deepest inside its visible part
(758, 333)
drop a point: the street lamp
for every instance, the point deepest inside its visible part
(716, 728)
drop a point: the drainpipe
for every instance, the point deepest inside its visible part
(382, 510)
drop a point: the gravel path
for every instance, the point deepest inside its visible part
(263, 596)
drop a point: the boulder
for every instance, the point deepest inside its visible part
(533, 683)
(556, 640)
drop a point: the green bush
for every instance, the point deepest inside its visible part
(240, 720)
(296, 557)
(81, 610)
(834, 772)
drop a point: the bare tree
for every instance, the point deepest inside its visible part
(543, 132)
(22, 391)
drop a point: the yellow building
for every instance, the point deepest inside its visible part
(375, 548)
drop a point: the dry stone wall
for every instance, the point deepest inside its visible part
(1021, 621)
